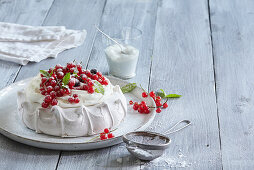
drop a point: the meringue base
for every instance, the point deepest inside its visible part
(75, 121)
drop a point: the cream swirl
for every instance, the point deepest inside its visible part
(33, 94)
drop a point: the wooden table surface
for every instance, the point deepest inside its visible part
(202, 49)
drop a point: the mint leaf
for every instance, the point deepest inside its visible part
(66, 78)
(173, 96)
(44, 73)
(128, 87)
(98, 87)
(162, 94)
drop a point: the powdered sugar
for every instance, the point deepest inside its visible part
(169, 162)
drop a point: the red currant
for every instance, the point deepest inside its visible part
(53, 75)
(105, 82)
(165, 105)
(152, 94)
(143, 103)
(103, 136)
(76, 100)
(158, 103)
(110, 135)
(90, 84)
(87, 72)
(131, 102)
(60, 75)
(75, 95)
(59, 94)
(56, 88)
(71, 82)
(44, 104)
(144, 94)
(71, 99)
(43, 92)
(79, 67)
(83, 77)
(147, 111)
(135, 107)
(49, 89)
(95, 77)
(54, 102)
(67, 91)
(158, 98)
(99, 74)
(90, 90)
(106, 130)
(51, 78)
(140, 110)
(72, 70)
(69, 65)
(53, 83)
(52, 94)
(58, 66)
(43, 79)
(85, 87)
(158, 110)
(48, 99)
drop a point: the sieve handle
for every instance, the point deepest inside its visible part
(187, 122)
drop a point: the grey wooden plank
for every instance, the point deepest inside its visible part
(140, 14)
(232, 33)
(81, 14)
(21, 12)
(14, 155)
(183, 63)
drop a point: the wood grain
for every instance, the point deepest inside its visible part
(232, 32)
(117, 14)
(14, 155)
(183, 64)
(20, 12)
(81, 14)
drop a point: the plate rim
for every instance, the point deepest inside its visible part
(17, 137)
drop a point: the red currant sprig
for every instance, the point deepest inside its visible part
(52, 82)
(106, 134)
(143, 108)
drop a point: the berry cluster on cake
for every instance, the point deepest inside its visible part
(69, 101)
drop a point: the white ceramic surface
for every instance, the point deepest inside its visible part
(12, 126)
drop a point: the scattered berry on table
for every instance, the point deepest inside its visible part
(158, 110)
(131, 102)
(144, 94)
(106, 130)
(165, 105)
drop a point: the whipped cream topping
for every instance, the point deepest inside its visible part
(33, 94)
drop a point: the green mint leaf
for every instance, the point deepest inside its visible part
(128, 87)
(98, 87)
(44, 73)
(66, 78)
(162, 94)
(173, 96)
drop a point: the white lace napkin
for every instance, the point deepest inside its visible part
(21, 43)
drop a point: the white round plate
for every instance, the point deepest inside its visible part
(12, 126)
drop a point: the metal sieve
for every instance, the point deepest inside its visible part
(147, 145)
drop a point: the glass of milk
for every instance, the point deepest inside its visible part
(122, 59)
